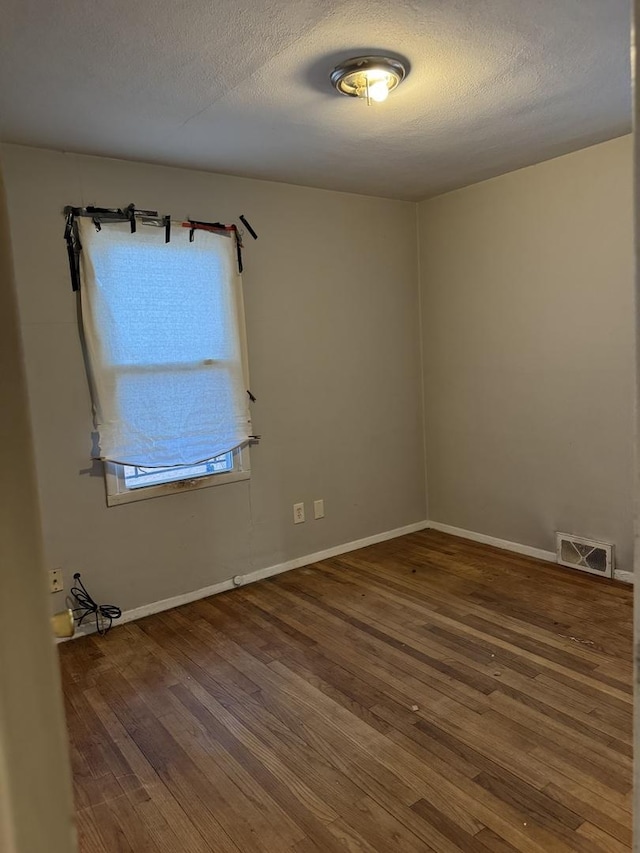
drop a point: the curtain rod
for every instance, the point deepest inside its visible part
(132, 214)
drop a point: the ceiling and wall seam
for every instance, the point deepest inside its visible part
(423, 389)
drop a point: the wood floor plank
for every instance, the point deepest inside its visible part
(456, 837)
(244, 809)
(493, 842)
(607, 817)
(162, 820)
(411, 680)
(89, 838)
(111, 831)
(178, 773)
(611, 767)
(404, 591)
(124, 814)
(423, 694)
(602, 839)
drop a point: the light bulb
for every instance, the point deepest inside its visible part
(378, 91)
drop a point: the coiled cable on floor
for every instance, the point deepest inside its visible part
(104, 613)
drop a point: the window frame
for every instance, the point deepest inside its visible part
(119, 493)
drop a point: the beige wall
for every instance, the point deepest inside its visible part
(527, 339)
(526, 287)
(35, 788)
(333, 328)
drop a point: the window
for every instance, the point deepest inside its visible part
(165, 347)
(126, 483)
(136, 477)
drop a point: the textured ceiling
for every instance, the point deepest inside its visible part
(241, 86)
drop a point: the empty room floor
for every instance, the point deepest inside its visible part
(426, 693)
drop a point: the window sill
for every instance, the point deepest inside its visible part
(148, 492)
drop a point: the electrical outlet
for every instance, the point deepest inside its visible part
(56, 581)
(318, 508)
(298, 513)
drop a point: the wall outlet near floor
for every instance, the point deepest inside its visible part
(56, 581)
(318, 509)
(298, 513)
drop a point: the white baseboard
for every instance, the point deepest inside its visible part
(620, 575)
(527, 550)
(516, 547)
(259, 574)
(298, 562)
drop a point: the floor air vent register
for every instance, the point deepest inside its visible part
(586, 555)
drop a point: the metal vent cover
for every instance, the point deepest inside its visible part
(587, 555)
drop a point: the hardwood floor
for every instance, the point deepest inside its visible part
(426, 693)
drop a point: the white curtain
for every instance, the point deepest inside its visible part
(164, 340)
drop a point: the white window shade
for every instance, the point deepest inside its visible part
(164, 338)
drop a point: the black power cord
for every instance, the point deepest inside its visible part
(104, 613)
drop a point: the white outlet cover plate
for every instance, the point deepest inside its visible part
(318, 508)
(56, 580)
(298, 513)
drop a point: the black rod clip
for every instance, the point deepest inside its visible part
(130, 210)
(72, 238)
(238, 249)
(248, 227)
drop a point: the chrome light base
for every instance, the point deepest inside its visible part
(356, 76)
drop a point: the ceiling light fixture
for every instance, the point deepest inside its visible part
(368, 77)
